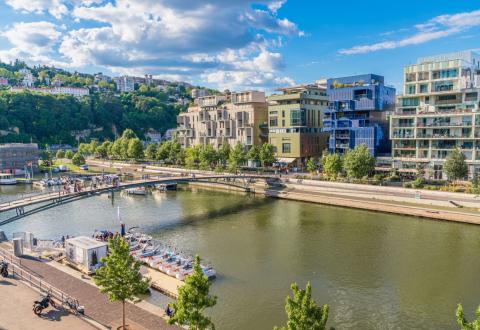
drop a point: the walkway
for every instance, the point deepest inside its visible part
(16, 311)
(96, 304)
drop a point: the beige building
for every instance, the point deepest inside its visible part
(226, 118)
(295, 120)
(438, 112)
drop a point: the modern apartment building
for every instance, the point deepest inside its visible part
(226, 118)
(199, 92)
(438, 112)
(125, 84)
(295, 123)
(357, 114)
(15, 157)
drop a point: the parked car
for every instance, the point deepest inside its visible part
(84, 167)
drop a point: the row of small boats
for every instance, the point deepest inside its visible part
(163, 258)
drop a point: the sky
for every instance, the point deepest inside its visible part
(236, 44)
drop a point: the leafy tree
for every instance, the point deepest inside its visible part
(208, 156)
(312, 165)
(192, 156)
(303, 312)
(78, 159)
(267, 154)
(237, 157)
(47, 158)
(254, 154)
(332, 165)
(84, 149)
(103, 150)
(128, 134)
(92, 147)
(462, 321)
(224, 153)
(60, 154)
(175, 154)
(456, 167)
(120, 277)
(102, 84)
(359, 162)
(193, 299)
(69, 154)
(151, 151)
(163, 150)
(135, 149)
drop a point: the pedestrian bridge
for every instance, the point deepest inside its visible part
(33, 204)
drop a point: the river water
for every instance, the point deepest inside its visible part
(376, 271)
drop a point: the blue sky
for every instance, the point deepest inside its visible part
(236, 44)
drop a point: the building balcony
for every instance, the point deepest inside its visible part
(444, 136)
(464, 124)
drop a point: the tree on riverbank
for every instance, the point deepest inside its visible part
(60, 154)
(312, 165)
(332, 165)
(237, 158)
(193, 299)
(456, 167)
(303, 312)
(78, 159)
(120, 277)
(359, 162)
(462, 321)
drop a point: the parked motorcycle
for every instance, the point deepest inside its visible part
(40, 305)
(4, 268)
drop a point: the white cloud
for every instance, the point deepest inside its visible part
(436, 28)
(34, 37)
(171, 38)
(56, 8)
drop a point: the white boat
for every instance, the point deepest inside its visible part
(7, 179)
(136, 191)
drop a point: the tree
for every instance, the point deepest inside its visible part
(78, 159)
(47, 158)
(303, 312)
(359, 162)
(151, 151)
(69, 154)
(224, 153)
(84, 149)
(193, 299)
(254, 154)
(120, 277)
(312, 165)
(332, 165)
(103, 150)
(455, 166)
(60, 154)
(135, 149)
(462, 321)
(192, 156)
(208, 156)
(267, 154)
(128, 134)
(237, 157)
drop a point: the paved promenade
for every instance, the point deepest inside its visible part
(96, 304)
(16, 311)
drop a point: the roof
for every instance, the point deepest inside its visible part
(85, 242)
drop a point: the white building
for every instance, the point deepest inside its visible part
(28, 78)
(3, 81)
(125, 84)
(85, 253)
(153, 136)
(74, 91)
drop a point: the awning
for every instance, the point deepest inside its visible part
(285, 160)
(384, 169)
(407, 170)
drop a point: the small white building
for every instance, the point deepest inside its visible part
(85, 253)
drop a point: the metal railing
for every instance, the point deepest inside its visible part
(17, 271)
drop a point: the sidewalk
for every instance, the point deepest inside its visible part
(16, 311)
(96, 304)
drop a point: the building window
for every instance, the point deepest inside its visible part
(274, 121)
(286, 147)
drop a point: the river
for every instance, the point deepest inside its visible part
(376, 271)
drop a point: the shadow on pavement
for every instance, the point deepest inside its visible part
(55, 314)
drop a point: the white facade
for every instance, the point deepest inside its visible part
(74, 91)
(85, 252)
(199, 92)
(125, 84)
(28, 78)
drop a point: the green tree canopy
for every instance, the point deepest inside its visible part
(151, 151)
(69, 154)
(332, 165)
(208, 157)
(455, 166)
(359, 162)
(78, 159)
(135, 149)
(193, 299)
(120, 277)
(60, 154)
(237, 157)
(254, 154)
(303, 312)
(462, 321)
(312, 165)
(267, 154)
